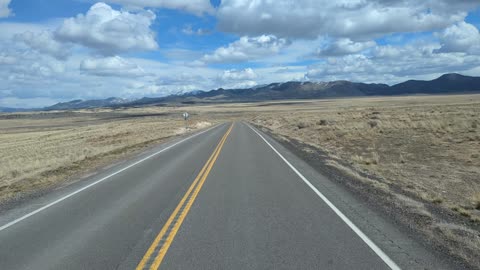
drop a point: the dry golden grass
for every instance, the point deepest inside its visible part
(41, 151)
(427, 147)
(430, 148)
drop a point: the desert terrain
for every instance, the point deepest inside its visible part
(416, 157)
(44, 150)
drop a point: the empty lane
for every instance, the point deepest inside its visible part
(225, 199)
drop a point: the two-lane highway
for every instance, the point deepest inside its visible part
(222, 199)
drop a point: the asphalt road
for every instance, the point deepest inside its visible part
(228, 198)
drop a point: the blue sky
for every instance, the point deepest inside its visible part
(58, 50)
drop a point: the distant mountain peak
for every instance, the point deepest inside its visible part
(86, 104)
(452, 76)
(445, 84)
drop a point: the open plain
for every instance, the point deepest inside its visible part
(40, 151)
(419, 155)
(414, 157)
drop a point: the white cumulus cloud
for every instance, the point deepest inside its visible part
(38, 66)
(247, 48)
(393, 64)
(236, 75)
(237, 78)
(461, 37)
(6, 59)
(342, 18)
(344, 46)
(44, 42)
(5, 11)
(109, 31)
(111, 67)
(188, 30)
(197, 7)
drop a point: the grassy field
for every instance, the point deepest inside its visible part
(421, 153)
(41, 151)
(430, 148)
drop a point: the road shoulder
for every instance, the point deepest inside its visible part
(28, 203)
(385, 222)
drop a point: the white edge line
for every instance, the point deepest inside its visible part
(11, 223)
(350, 224)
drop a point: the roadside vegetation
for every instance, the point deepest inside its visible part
(43, 150)
(418, 156)
(421, 153)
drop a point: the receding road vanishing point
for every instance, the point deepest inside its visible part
(229, 197)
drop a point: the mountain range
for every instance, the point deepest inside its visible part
(86, 104)
(8, 109)
(446, 84)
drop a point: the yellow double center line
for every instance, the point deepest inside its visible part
(156, 252)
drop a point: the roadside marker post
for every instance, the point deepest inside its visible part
(185, 117)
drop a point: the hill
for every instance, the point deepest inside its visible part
(85, 104)
(446, 84)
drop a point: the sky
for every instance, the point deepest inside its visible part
(59, 50)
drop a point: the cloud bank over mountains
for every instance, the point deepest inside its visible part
(131, 48)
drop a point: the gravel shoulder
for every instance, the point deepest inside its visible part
(440, 230)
